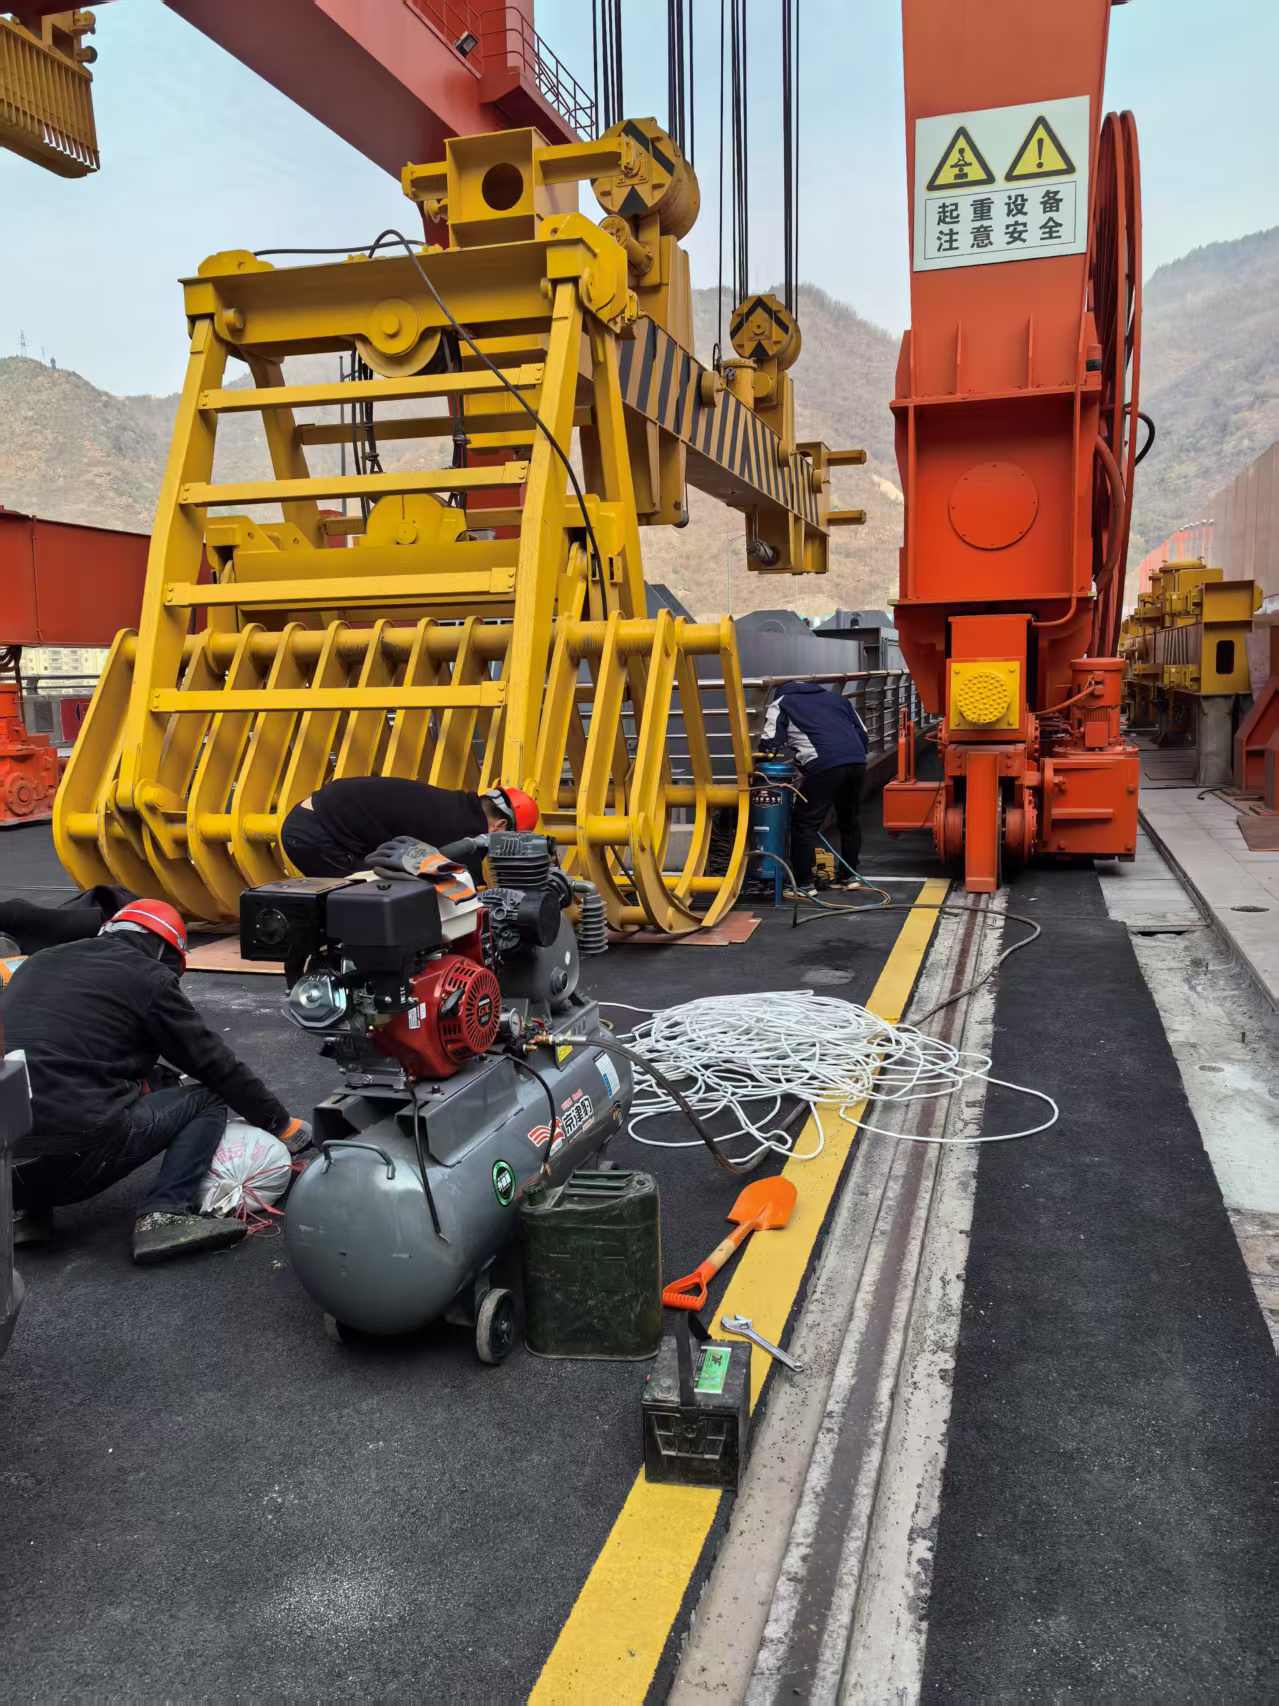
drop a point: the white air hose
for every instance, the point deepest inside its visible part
(745, 1055)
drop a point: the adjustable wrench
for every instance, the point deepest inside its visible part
(740, 1326)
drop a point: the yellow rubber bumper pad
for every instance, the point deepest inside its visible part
(610, 1646)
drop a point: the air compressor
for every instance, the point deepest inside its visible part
(454, 1017)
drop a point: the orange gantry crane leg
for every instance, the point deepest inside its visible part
(1016, 407)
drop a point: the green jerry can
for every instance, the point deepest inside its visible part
(592, 1251)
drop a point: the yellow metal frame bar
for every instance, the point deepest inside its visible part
(272, 656)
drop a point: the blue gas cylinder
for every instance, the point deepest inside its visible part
(771, 797)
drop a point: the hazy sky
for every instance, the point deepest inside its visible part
(200, 155)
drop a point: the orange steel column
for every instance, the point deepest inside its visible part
(1012, 415)
(982, 826)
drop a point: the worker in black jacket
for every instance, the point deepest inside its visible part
(93, 1018)
(333, 832)
(827, 739)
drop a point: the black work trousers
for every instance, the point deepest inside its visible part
(837, 790)
(186, 1123)
(312, 849)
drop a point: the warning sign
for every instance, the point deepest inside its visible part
(1041, 155)
(961, 166)
(965, 217)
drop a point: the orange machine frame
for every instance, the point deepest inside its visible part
(60, 585)
(1014, 413)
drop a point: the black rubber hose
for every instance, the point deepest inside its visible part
(1149, 445)
(677, 1095)
(527, 1066)
(1036, 930)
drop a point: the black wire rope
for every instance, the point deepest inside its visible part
(740, 148)
(719, 285)
(596, 60)
(390, 235)
(788, 155)
(609, 81)
(692, 89)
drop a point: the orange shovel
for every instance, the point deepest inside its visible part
(763, 1206)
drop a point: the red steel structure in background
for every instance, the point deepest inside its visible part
(394, 78)
(60, 585)
(1016, 407)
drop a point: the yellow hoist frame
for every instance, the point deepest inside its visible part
(459, 626)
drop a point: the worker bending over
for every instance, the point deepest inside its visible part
(93, 1019)
(827, 739)
(333, 833)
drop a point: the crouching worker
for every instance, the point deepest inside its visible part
(827, 739)
(93, 1018)
(332, 833)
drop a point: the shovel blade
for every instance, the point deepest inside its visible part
(768, 1201)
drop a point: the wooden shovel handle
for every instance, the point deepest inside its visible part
(690, 1292)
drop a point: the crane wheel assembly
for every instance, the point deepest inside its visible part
(479, 617)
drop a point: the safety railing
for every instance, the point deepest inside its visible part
(46, 104)
(492, 38)
(880, 698)
(509, 37)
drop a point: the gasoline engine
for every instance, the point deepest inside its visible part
(449, 1012)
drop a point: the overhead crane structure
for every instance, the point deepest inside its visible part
(480, 622)
(1016, 412)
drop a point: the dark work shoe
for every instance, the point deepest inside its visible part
(162, 1234)
(31, 1226)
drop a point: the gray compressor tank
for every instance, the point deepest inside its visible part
(379, 1253)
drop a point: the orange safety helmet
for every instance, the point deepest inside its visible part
(515, 804)
(158, 917)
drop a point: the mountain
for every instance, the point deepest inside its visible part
(73, 453)
(1210, 379)
(1210, 382)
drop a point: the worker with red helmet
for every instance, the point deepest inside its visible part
(335, 832)
(93, 1019)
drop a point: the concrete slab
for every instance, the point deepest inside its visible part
(1238, 894)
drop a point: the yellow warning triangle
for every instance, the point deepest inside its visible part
(961, 167)
(1041, 155)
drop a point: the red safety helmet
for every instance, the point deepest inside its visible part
(520, 808)
(158, 917)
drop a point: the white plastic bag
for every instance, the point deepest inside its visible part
(250, 1170)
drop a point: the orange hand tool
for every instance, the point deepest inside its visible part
(764, 1206)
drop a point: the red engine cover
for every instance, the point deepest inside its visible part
(454, 1018)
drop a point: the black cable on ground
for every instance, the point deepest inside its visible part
(1036, 930)
(390, 235)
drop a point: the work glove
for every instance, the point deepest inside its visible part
(400, 853)
(297, 1136)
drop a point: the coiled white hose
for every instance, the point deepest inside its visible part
(745, 1055)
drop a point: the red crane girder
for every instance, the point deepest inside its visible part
(394, 78)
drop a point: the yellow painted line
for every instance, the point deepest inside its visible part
(611, 1644)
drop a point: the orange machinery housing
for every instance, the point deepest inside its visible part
(1015, 413)
(60, 585)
